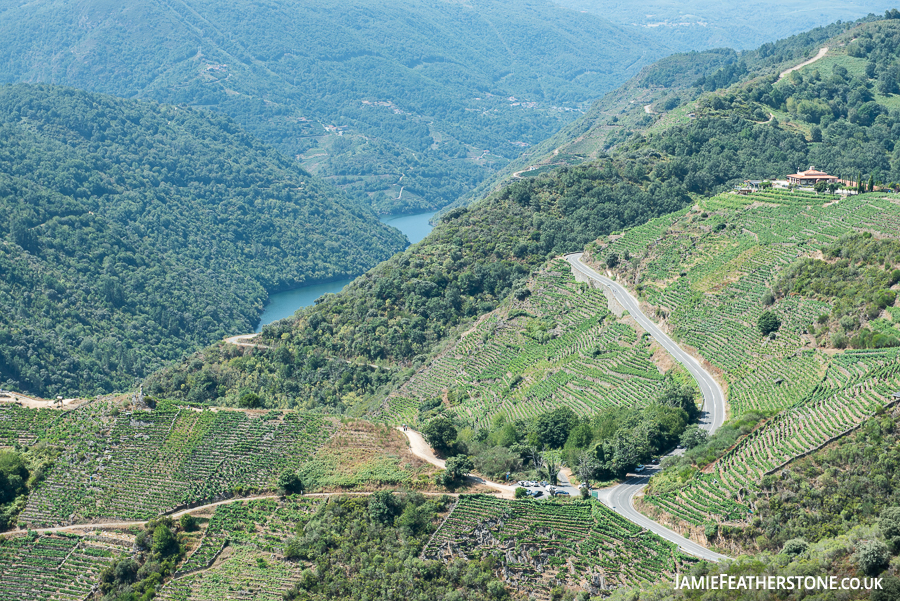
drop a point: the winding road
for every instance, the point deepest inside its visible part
(621, 498)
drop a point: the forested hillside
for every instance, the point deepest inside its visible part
(134, 232)
(440, 93)
(401, 312)
(662, 96)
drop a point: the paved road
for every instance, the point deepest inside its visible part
(621, 498)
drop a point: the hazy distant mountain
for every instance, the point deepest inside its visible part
(438, 93)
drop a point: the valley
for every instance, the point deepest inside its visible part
(659, 340)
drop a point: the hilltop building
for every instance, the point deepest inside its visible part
(811, 177)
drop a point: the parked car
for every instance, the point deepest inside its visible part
(561, 492)
(544, 484)
(583, 485)
(538, 493)
(522, 483)
(639, 468)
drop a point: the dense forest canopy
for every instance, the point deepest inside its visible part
(133, 232)
(412, 88)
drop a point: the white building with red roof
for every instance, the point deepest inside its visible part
(810, 177)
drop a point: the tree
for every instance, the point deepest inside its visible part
(290, 483)
(693, 436)
(612, 259)
(872, 556)
(889, 524)
(520, 493)
(382, 507)
(820, 187)
(552, 461)
(554, 426)
(13, 476)
(586, 466)
(249, 400)
(455, 469)
(795, 546)
(680, 396)
(768, 322)
(440, 433)
(164, 541)
(815, 133)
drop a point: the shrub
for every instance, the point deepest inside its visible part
(520, 492)
(188, 522)
(795, 546)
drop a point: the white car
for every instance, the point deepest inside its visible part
(639, 468)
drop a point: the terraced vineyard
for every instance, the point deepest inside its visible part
(707, 271)
(245, 540)
(559, 346)
(23, 425)
(264, 523)
(53, 567)
(242, 573)
(857, 385)
(139, 465)
(544, 544)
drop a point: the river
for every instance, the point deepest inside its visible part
(284, 304)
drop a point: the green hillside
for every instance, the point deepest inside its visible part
(664, 95)
(363, 93)
(709, 274)
(135, 232)
(555, 545)
(556, 346)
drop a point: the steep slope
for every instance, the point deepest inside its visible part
(440, 93)
(663, 95)
(134, 232)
